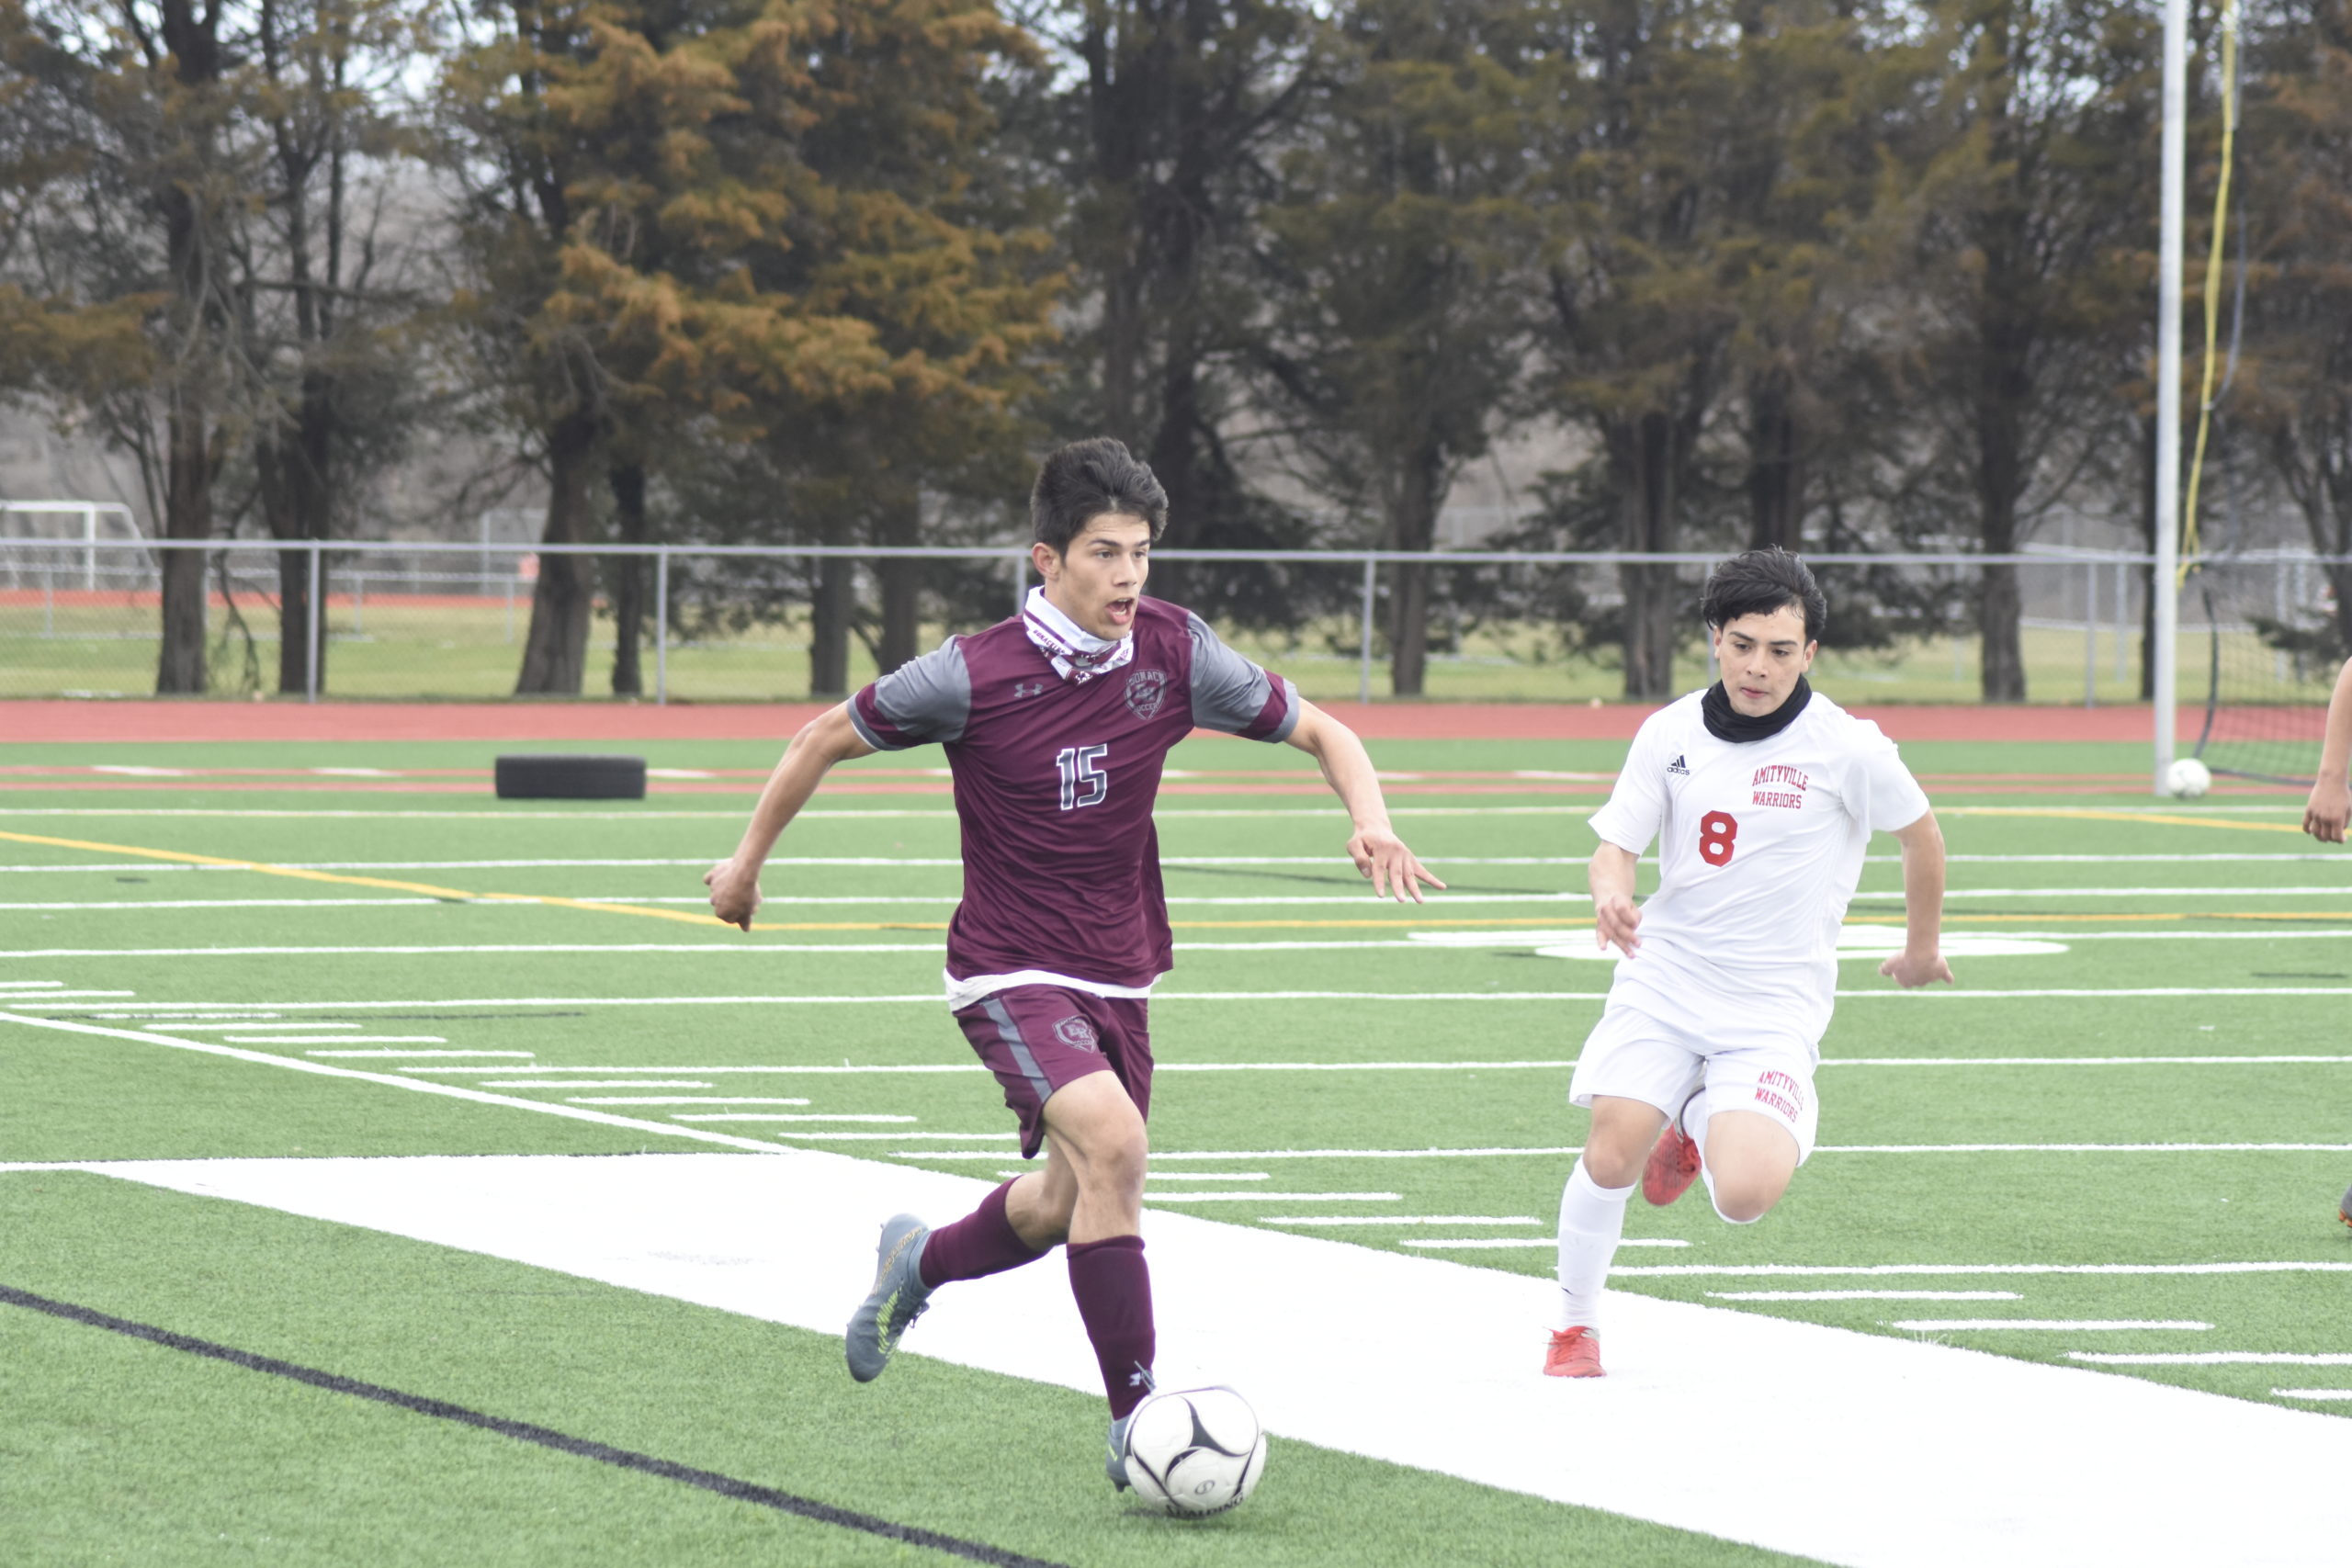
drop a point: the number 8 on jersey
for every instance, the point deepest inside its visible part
(1717, 831)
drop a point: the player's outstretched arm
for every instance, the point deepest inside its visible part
(2331, 802)
(1919, 963)
(1378, 853)
(1615, 918)
(734, 883)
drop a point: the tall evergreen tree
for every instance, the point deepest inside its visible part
(1396, 315)
(1165, 129)
(2030, 272)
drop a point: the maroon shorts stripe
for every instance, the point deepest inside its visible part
(1037, 1039)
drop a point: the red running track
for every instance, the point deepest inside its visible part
(27, 722)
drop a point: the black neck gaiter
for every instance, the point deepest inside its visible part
(1727, 723)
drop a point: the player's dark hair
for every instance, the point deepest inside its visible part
(1757, 582)
(1092, 479)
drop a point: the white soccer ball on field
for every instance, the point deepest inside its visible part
(1194, 1451)
(2188, 777)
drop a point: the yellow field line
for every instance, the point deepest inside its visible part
(304, 874)
(2084, 813)
(1409, 921)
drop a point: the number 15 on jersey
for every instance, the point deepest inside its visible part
(1083, 781)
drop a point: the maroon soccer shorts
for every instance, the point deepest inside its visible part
(1037, 1038)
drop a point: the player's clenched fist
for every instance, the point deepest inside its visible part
(2326, 813)
(734, 897)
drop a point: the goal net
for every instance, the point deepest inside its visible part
(2260, 628)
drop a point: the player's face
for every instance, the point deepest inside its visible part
(1761, 657)
(1098, 579)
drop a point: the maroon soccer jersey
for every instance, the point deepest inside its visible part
(1055, 781)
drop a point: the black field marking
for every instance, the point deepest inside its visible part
(523, 1431)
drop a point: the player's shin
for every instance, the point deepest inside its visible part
(982, 1243)
(1592, 1218)
(1114, 1290)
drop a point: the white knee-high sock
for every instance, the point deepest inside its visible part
(1591, 1219)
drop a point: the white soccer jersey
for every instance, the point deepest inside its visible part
(1760, 845)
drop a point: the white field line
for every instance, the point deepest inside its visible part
(403, 1055)
(2044, 1325)
(1527, 1244)
(491, 816)
(2081, 1148)
(327, 1039)
(1563, 1065)
(199, 1025)
(702, 862)
(120, 906)
(1399, 1220)
(772, 906)
(1815, 1270)
(942, 900)
(777, 1117)
(1254, 1197)
(2065, 1469)
(1196, 1176)
(41, 996)
(1173, 861)
(2082, 1469)
(1865, 1296)
(593, 1083)
(2312, 1394)
(416, 1086)
(32, 985)
(672, 1099)
(1163, 1155)
(868, 1137)
(2211, 1359)
(2334, 890)
(844, 1070)
(935, 998)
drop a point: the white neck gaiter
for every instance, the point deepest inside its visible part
(1075, 653)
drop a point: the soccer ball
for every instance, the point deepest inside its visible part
(1194, 1451)
(2188, 777)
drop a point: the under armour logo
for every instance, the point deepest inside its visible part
(1028, 689)
(1139, 1379)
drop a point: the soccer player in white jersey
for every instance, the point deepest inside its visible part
(1761, 796)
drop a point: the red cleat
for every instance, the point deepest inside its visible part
(1672, 1166)
(1573, 1353)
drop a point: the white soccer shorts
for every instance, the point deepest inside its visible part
(1631, 1055)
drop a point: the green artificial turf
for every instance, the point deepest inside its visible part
(125, 1453)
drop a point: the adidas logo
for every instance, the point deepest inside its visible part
(1677, 766)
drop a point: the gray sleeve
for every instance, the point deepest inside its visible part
(1232, 694)
(922, 701)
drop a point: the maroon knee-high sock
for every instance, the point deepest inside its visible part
(1114, 1291)
(982, 1243)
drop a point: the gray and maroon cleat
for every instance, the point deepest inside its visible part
(897, 1299)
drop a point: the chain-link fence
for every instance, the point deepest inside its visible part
(416, 620)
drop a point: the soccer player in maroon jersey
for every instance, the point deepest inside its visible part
(1057, 725)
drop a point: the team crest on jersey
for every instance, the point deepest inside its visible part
(1780, 785)
(1678, 766)
(1077, 1033)
(1147, 692)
